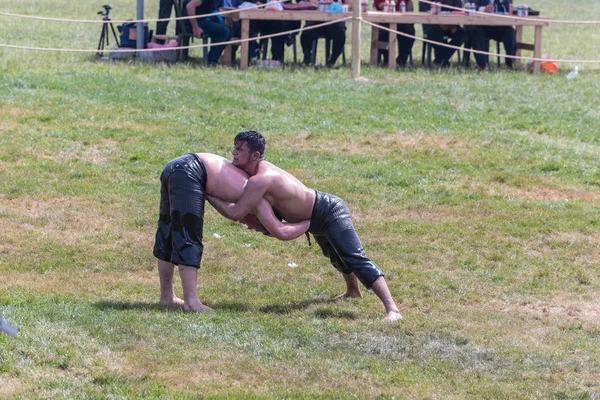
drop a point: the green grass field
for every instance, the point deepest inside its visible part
(478, 194)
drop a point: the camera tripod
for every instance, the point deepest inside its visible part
(104, 35)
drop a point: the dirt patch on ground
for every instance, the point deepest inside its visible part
(547, 191)
(12, 111)
(64, 218)
(559, 309)
(582, 247)
(437, 215)
(78, 282)
(10, 387)
(97, 154)
(375, 143)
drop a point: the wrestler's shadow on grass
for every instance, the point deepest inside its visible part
(134, 305)
(321, 311)
(123, 306)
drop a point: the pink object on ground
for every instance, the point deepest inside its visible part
(153, 45)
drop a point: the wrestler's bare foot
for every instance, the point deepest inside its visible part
(170, 301)
(393, 316)
(196, 307)
(349, 295)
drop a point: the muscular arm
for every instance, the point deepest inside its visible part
(253, 194)
(265, 215)
(278, 229)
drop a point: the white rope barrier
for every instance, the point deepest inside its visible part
(554, 21)
(478, 51)
(130, 50)
(96, 21)
(51, 19)
(233, 42)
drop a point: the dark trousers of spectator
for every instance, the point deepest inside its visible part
(336, 32)
(236, 31)
(405, 44)
(217, 33)
(269, 27)
(481, 41)
(442, 54)
(164, 11)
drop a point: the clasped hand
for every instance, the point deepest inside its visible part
(198, 32)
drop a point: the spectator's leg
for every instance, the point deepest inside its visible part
(456, 39)
(383, 37)
(432, 32)
(337, 33)
(509, 40)
(481, 42)
(405, 44)
(306, 40)
(277, 42)
(164, 11)
(253, 44)
(217, 33)
(290, 39)
(469, 35)
(442, 53)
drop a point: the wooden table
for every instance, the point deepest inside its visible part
(393, 19)
(247, 15)
(378, 17)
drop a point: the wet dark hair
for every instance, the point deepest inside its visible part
(254, 140)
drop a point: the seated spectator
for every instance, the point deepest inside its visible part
(405, 44)
(271, 27)
(448, 34)
(164, 11)
(212, 26)
(481, 35)
(335, 32)
(264, 27)
(236, 29)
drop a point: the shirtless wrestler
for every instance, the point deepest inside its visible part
(185, 182)
(330, 224)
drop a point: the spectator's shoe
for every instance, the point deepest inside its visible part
(402, 63)
(7, 328)
(289, 40)
(441, 63)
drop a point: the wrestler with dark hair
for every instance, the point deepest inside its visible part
(185, 183)
(330, 221)
(254, 140)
